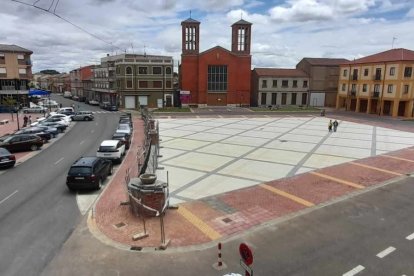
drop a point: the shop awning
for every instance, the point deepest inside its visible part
(33, 92)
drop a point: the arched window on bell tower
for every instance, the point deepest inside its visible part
(190, 36)
(241, 37)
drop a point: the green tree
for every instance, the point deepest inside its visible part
(11, 103)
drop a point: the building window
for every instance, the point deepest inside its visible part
(264, 83)
(156, 70)
(285, 83)
(143, 84)
(293, 99)
(377, 88)
(345, 73)
(168, 84)
(406, 88)
(274, 84)
(118, 70)
(168, 71)
(274, 97)
(284, 97)
(263, 99)
(143, 70)
(355, 74)
(353, 88)
(364, 88)
(20, 56)
(378, 74)
(295, 83)
(2, 59)
(407, 72)
(390, 88)
(129, 84)
(3, 71)
(343, 87)
(157, 84)
(304, 98)
(128, 71)
(22, 71)
(392, 71)
(366, 71)
(305, 84)
(217, 78)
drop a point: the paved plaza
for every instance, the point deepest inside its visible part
(210, 156)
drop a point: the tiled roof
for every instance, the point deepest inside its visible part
(399, 54)
(13, 48)
(325, 61)
(279, 72)
(242, 22)
(190, 20)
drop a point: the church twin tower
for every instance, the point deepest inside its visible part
(216, 76)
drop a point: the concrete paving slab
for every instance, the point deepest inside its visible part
(175, 133)
(321, 161)
(184, 144)
(291, 145)
(199, 161)
(178, 177)
(246, 141)
(210, 137)
(355, 153)
(276, 156)
(226, 149)
(347, 142)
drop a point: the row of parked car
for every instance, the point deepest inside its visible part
(37, 133)
(90, 172)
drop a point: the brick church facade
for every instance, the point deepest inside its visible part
(217, 76)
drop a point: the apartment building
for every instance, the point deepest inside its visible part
(323, 79)
(279, 87)
(378, 84)
(103, 81)
(76, 82)
(15, 73)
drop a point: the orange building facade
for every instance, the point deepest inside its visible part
(217, 76)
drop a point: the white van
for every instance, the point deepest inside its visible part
(67, 94)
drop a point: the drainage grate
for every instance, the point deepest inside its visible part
(136, 248)
(119, 225)
(283, 141)
(227, 220)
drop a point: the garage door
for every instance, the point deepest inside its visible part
(130, 102)
(143, 100)
(317, 99)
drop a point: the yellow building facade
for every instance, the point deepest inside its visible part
(381, 84)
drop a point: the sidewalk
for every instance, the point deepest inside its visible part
(205, 221)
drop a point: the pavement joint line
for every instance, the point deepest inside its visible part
(354, 271)
(9, 196)
(342, 181)
(375, 168)
(198, 223)
(287, 195)
(398, 158)
(386, 252)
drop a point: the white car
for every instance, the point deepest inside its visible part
(62, 116)
(93, 102)
(53, 120)
(111, 149)
(124, 128)
(35, 109)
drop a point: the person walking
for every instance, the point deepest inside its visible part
(30, 120)
(25, 119)
(330, 126)
(335, 125)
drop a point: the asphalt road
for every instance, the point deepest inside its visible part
(371, 233)
(37, 213)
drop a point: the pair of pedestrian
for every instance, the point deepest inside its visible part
(25, 120)
(333, 124)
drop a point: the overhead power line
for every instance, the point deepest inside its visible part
(66, 20)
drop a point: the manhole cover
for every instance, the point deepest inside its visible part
(283, 141)
(119, 225)
(227, 220)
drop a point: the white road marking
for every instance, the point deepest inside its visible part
(83, 141)
(9, 196)
(354, 271)
(410, 237)
(385, 252)
(85, 201)
(59, 160)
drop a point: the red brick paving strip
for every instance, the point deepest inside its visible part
(397, 166)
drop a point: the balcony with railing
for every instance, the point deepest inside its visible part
(377, 77)
(353, 93)
(375, 94)
(354, 77)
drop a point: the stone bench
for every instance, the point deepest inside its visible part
(3, 122)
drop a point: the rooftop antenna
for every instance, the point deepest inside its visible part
(132, 46)
(393, 39)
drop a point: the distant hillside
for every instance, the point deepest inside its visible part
(49, 72)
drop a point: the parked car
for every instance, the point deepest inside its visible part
(21, 142)
(88, 172)
(75, 98)
(125, 138)
(60, 127)
(111, 149)
(124, 128)
(111, 108)
(66, 111)
(7, 160)
(104, 105)
(35, 109)
(83, 116)
(48, 129)
(93, 102)
(35, 130)
(125, 120)
(57, 120)
(61, 116)
(67, 94)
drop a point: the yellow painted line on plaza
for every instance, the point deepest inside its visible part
(198, 223)
(287, 195)
(345, 182)
(375, 168)
(398, 158)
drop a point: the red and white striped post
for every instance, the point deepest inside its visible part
(220, 265)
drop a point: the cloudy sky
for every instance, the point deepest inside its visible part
(284, 31)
